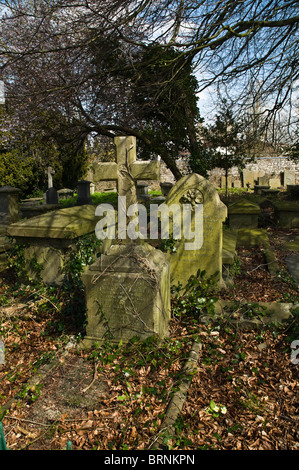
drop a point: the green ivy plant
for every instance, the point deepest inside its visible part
(198, 297)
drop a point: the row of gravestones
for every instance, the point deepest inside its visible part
(128, 287)
(252, 178)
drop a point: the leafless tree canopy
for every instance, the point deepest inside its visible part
(74, 54)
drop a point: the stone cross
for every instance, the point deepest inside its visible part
(126, 170)
(49, 172)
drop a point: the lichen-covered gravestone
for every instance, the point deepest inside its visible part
(127, 294)
(244, 213)
(200, 244)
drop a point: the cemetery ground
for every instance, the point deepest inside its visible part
(241, 394)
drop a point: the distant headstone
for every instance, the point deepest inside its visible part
(51, 196)
(201, 246)
(248, 178)
(223, 182)
(243, 213)
(84, 196)
(263, 180)
(288, 177)
(165, 187)
(2, 92)
(259, 188)
(92, 188)
(274, 183)
(286, 214)
(237, 184)
(49, 173)
(65, 193)
(142, 189)
(127, 294)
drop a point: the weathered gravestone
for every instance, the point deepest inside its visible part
(49, 238)
(288, 177)
(274, 183)
(197, 220)
(127, 294)
(263, 180)
(248, 178)
(243, 213)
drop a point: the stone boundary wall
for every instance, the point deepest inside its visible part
(271, 166)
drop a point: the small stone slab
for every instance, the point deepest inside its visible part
(243, 213)
(286, 214)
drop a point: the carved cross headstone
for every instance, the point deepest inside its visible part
(49, 172)
(126, 171)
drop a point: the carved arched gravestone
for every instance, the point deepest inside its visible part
(194, 190)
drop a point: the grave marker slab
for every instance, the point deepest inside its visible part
(274, 183)
(243, 213)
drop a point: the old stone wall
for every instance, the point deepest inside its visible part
(271, 166)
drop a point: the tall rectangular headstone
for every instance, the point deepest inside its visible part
(248, 178)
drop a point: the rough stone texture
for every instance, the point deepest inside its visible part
(252, 237)
(248, 178)
(184, 263)
(127, 294)
(274, 312)
(243, 213)
(292, 245)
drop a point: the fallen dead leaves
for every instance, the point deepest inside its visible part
(120, 404)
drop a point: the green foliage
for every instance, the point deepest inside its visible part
(168, 245)
(19, 170)
(26, 153)
(198, 297)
